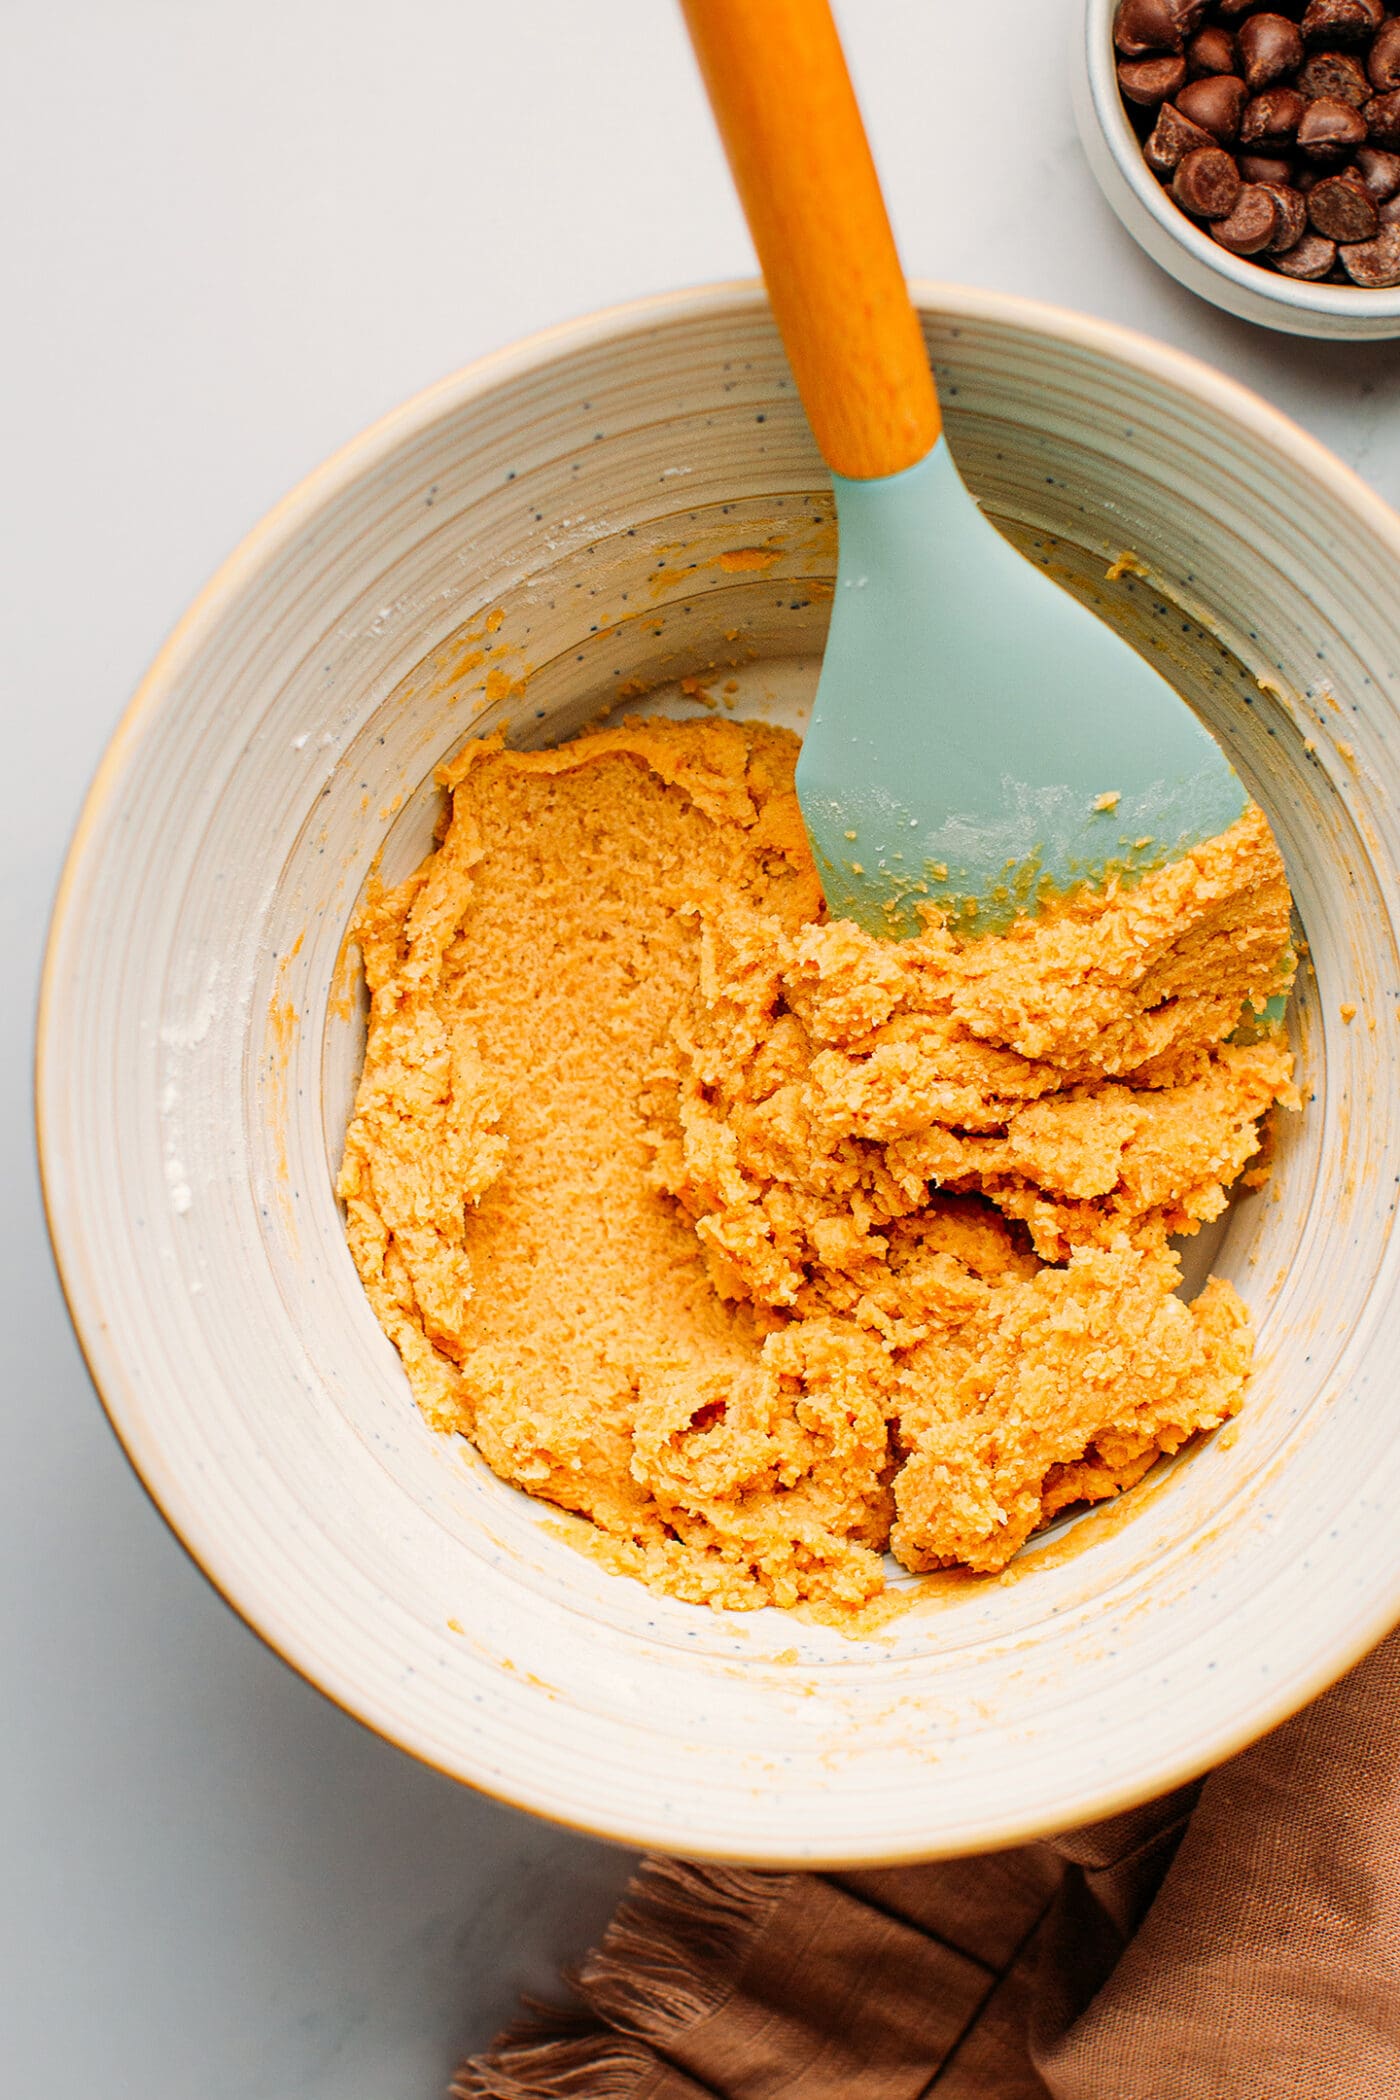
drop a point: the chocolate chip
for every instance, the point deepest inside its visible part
(1265, 167)
(1253, 224)
(1211, 51)
(1216, 104)
(1207, 183)
(1335, 76)
(1312, 258)
(1141, 28)
(1292, 216)
(1172, 138)
(1380, 171)
(1272, 119)
(1345, 20)
(1310, 108)
(1382, 114)
(1383, 65)
(1374, 264)
(1329, 131)
(1270, 49)
(1343, 208)
(1149, 81)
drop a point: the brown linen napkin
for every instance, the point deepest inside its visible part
(1238, 1940)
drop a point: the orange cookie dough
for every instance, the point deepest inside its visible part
(767, 1245)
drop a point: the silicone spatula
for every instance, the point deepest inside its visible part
(978, 739)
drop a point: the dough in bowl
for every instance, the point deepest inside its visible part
(768, 1246)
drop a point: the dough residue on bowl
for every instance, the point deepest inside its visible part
(767, 1245)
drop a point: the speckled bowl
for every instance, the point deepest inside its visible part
(1186, 250)
(555, 528)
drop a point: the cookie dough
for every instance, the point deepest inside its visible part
(769, 1246)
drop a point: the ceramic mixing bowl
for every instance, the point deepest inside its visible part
(601, 511)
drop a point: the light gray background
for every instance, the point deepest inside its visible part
(234, 235)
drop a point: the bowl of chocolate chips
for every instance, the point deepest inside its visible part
(1254, 151)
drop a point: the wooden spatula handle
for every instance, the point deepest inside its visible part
(792, 128)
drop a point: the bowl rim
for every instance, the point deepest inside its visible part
(1337, 302)
(214, 1559)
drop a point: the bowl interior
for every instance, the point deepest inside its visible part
(565, 530)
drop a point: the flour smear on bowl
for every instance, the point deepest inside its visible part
(769, 1246)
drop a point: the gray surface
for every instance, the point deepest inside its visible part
(234, 236)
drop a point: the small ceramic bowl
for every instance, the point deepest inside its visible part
(1183, 248)
(596, 513)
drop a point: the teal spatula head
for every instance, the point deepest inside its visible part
(979, 740)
